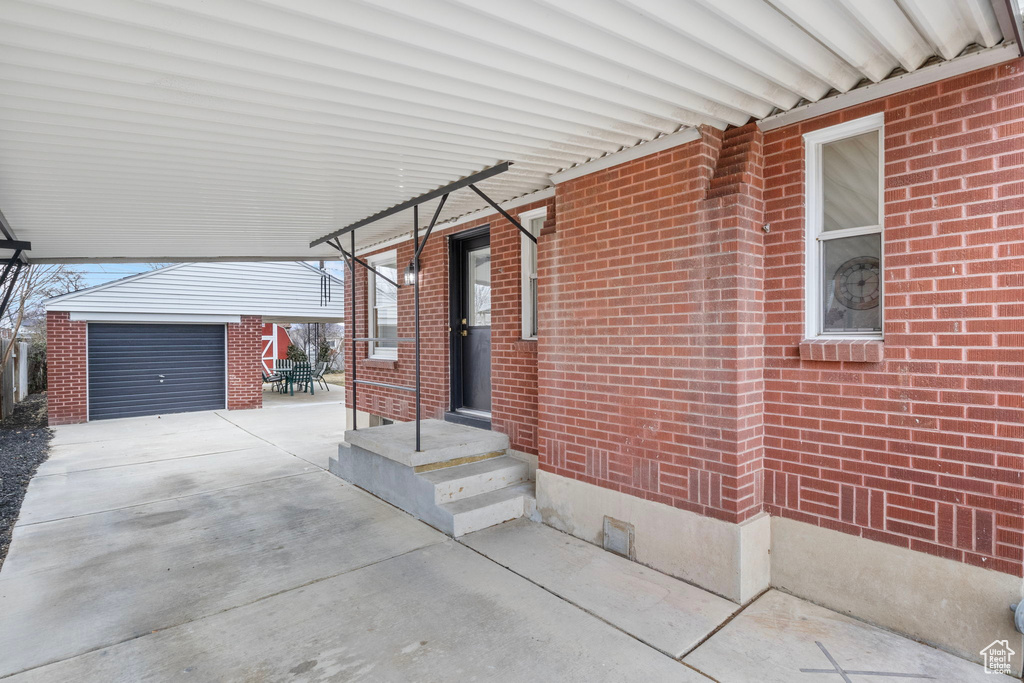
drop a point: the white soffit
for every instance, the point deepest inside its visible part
(244, 129)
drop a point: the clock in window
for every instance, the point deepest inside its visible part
(858, 283)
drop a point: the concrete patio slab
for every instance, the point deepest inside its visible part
(101, 579)
(142, 449)
(778, 636)
(256, 565)
(57, 496)
(662, 611)
(149, 426)
(275, 399)
(438, 613)
(310, 432)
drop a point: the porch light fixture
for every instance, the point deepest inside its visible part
(411, 270)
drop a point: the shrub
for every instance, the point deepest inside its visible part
(296, 354)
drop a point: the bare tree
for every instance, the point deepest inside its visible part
(36, 284)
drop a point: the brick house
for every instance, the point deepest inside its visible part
(687, 377)
(771, 333)
(190, 336)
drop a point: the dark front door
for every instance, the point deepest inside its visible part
(471, 323)
(154, 369)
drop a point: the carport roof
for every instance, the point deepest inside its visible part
(244, 129)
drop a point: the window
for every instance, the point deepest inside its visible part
(382, 304)
(532, 221)
(844, 275)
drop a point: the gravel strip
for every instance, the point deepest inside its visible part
(24, 445)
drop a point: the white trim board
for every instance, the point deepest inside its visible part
(629, 154)
(890, 86)
(180, 318)
(525, 243)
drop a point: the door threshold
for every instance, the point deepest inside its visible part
(476, 419)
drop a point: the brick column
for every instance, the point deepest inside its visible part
(650, 353)
(67, 395)
(245, 382)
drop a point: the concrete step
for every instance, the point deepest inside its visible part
(455, 483)
(487, 509)
(441, 442)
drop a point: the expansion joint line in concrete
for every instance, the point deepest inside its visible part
(596, 616)
(143, 462)
(164, 500)
(266, 441)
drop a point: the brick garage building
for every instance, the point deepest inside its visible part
(181, 338)
(683, 378)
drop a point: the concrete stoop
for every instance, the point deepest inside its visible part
(462, 480)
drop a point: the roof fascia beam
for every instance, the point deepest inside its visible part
(416, 201)
(12, 240)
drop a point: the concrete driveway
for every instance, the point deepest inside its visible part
(214, 547)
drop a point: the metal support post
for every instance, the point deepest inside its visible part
(416, 310)
(352, 269)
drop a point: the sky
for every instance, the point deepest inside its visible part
(98, 273)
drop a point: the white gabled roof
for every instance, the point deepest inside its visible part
(173, 130)
(278, 291)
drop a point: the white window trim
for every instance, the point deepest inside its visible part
(527, 316)
(813, 202)
(371, 300)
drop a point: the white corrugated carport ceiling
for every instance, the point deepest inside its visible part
(189, 129)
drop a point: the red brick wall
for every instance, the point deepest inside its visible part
(651, 328)
(513, 361)
(66, 369)
(925, 449)
(245, 348)
(669, 362)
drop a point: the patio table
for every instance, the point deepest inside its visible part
(302, 372)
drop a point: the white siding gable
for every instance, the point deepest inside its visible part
(278, 291)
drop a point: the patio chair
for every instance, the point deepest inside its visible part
(276, 381)
(302, 375)
(318, 376)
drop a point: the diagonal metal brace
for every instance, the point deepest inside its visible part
(10, 284)
(433, 221)
(504, 213)
(363, 263)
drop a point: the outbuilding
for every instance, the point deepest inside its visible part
(186, 337)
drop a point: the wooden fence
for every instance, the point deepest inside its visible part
(14, 377)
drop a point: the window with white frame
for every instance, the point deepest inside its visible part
(382, 305)
(533, 221)
(844, 275)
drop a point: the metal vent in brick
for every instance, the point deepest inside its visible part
(618, 537)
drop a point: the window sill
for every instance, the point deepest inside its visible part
(848, 350)
(379, 363)
(525, 345)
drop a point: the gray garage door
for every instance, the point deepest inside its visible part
(155, 369)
